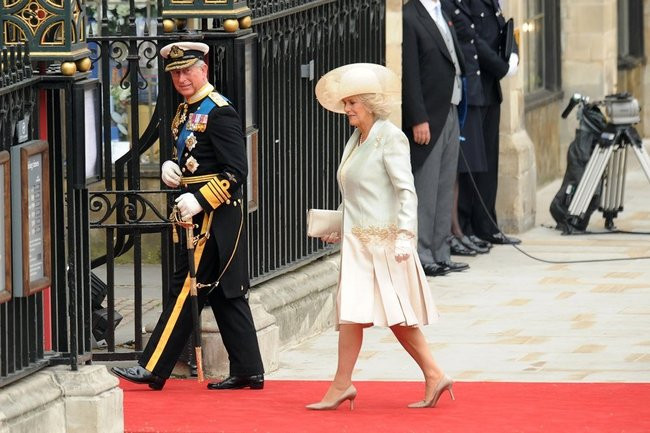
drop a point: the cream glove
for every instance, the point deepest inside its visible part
(513, 64)
(171, 174)
(403, 249)
(188, 205)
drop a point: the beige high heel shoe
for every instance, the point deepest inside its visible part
(444, 384)
(348, 394)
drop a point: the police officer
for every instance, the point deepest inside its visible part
(485, 27)
(209, 167)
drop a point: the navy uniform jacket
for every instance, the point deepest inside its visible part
(461, 17)
(428, 74)
(489, 23)
(220, 150)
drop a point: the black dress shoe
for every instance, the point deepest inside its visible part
(453, 266)
(467, 242)
(255, 381)
(501, 239)
(434, 270)
(480, 242)
(139, 374)
(457, 248)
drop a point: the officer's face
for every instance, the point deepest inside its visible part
(188, 81)
(358, 114)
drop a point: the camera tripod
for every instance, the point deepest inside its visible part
(608, 163)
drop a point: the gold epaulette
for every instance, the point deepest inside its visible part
(219, 99)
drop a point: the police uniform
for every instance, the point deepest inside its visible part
(210, 151)
(472, 147)
(485, 30)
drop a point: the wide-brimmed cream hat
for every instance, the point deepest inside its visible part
(356, 79)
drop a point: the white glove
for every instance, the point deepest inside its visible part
(403, 249)
(513, 64)
(188, 205)
(332, 238)
(170, 173)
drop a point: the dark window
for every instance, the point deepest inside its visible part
(630, 33)
(540, 35)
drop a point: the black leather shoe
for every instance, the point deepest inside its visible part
(453, 266)
(434, 270)
(480, 242)
(501, 239)
(238, 382)
(467, 242)
(457, 248)
(139, 374)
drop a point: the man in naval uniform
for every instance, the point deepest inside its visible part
(209, 167)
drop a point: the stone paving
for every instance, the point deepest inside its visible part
(512, 318)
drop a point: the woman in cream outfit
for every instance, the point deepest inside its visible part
(381, 280)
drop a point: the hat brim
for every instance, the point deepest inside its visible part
(330, 92)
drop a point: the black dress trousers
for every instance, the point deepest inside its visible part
(485, 217)
(175, 325)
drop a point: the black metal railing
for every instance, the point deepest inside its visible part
(21, 318)
(300, 142)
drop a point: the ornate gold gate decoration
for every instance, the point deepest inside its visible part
(53, 29)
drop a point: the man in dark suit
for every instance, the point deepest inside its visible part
(432, 66)
(209, 166)
(486, 32)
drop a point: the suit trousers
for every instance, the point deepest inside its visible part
(434, 184)
(484, 217)
(175, 325)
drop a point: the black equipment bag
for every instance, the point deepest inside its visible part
(592, 123)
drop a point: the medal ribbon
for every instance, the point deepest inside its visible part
(204, 108)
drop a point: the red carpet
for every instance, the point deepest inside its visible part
(485, 407)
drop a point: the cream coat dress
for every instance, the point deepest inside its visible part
(380, 204)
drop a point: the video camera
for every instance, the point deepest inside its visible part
(597, 160)
(621, 108)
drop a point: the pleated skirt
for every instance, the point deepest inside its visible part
(374, 289)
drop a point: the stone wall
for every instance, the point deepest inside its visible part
(543, 127)
(589, 53)
(646, 70)
(58, 400)
(517, 169)
(394, 45)
(631, 80)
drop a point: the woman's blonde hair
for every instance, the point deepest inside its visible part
(377, 103)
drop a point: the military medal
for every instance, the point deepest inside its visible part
(190, 142)
(202, 122)
(191, 164)
(197, 122)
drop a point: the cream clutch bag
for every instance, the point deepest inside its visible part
(322, 222)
